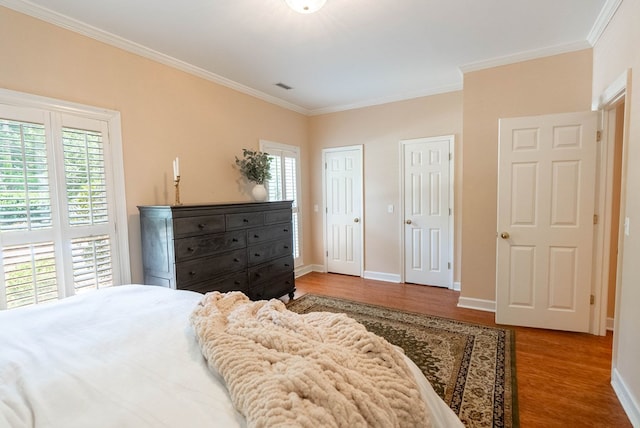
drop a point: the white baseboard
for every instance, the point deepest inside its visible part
(609, 324)
(378, 276)
(477, 304)
(382, 276)
(303, 270)
(629, 403)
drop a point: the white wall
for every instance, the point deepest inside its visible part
(617, 51)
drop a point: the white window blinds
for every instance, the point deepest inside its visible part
(24, 179)
(84, 171)
(56, 231)
(29, 274)
(91, 263)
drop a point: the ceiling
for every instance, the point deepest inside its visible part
(352, 53)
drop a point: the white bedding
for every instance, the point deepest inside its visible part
(121, 357)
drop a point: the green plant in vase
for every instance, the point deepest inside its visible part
(255, 166)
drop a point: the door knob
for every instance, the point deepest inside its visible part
(504, 235)
(356, 220)
(408, 221)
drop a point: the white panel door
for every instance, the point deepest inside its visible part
(427, 211)
(546, 179)
(343, 184)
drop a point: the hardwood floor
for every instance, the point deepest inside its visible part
(564, 379)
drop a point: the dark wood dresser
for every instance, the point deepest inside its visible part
(236, 246)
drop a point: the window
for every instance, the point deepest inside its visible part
(285, 185)
(58, 212)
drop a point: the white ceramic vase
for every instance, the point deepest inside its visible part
(259, 193)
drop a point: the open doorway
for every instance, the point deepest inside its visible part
(611, 207)
(617, 135)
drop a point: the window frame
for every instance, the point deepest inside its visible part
(265, 146)
(70, 112)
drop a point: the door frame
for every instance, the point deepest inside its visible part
(325, 247)
(606, 104)
(402, 145)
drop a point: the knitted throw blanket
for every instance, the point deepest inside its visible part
(313, 370)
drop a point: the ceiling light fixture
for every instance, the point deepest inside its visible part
(305, 6)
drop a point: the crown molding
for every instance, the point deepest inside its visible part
(79, 27)
(604, 17)
(385, 100)
(63, 21)
(525, 56)
(606, 14)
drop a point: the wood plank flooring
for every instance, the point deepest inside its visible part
(564, 379)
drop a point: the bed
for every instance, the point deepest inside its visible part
(125, 356)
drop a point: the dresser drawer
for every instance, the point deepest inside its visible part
(204, 245)
(269, 251)
(269, 233)
(244, 220)
(275, 288)
(233, 282)
(270, 270)
(208, 268)
(277, 216)
(198, 225)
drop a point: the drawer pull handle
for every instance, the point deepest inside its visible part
(286, 247)
(202, 226)
(244, 220)
(234, 240)
(236, 282)
(236, 260)
(256, 236)
(257, 254)
(285, 230)
(286, 265)
(190, 249)
(192, 273)
(258, 275)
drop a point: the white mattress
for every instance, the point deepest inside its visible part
(121, 357)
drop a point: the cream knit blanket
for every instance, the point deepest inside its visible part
(314, 370)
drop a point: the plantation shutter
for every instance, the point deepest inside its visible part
(284, 185)
(55, 228)
(275, 184)
(87, 206)
(26, 211)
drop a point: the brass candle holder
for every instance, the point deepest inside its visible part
(176, 184)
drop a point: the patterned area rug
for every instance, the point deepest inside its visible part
(472, 367)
